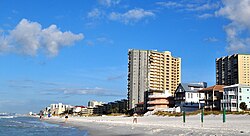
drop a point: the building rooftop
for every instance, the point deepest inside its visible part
(237, 85)
(193, 87)
(211, 88)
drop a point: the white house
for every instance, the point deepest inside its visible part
(187, 96)
(79, 110)
(233, 95)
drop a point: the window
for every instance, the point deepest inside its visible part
(247, 97)
(240, 98)
(234, 105)
(191, 95)
(188, 95)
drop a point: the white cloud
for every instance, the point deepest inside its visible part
(238, 29)
(29, 37)
(95, 13)
(109, 3)
(190, 5)
(203, 7)
(104, 40)
(169, 4)
(211, 39)
(82, 91)
(131, 16)
(205, 16)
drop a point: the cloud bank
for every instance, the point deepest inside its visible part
(29, 38)
(238, 29)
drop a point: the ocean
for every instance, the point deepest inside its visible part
(11, 125)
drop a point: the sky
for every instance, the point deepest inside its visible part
(74, 51)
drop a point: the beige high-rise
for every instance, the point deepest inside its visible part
(233, 69)
(150, 70)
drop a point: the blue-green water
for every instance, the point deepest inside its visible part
(28, 126)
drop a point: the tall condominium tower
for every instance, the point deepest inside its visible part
(151, 70)
(233, 69)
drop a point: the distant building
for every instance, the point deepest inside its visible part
(94, 103)
(151, 70)
(234, 69)
(212, 97)
(59, 108)
(120, 106)
(233, 95)
(187, 96)
(80, 110)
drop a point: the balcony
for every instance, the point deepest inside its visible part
(233, 100)
(230, 93)
(157, 96)
(158, 102)
(229, 101)
(150, 108)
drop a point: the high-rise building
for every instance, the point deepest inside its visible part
(233, 69)
(150, 70)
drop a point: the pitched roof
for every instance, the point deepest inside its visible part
(187, 87)
(211, 88)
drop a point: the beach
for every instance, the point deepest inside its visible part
(158, 125)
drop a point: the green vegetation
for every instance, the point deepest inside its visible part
(243, 106)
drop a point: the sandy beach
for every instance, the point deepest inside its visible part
(159, 126)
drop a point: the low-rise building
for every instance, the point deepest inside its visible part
(234, 95)
(79, 110)
(158, 100)
(187, 96)
(212, 97)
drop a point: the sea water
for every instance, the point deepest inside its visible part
(30, 126)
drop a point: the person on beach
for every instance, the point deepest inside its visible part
(135, 118)
(66, 117)
(41, 115)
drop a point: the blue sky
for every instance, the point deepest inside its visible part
(73, 52)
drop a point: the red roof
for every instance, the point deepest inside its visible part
(213, 88)
(81, 106)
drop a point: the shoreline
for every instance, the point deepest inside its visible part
(158, 125)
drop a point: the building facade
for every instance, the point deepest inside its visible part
(187, 96)
(151, 70)
(234, 69)
(94, 103)
(212, 97)
(57, 109)
(156, 100)
(234, 95)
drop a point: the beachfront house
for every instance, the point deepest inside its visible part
(79, 110)
(212, 97)
(187, 96)
(234, 95)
